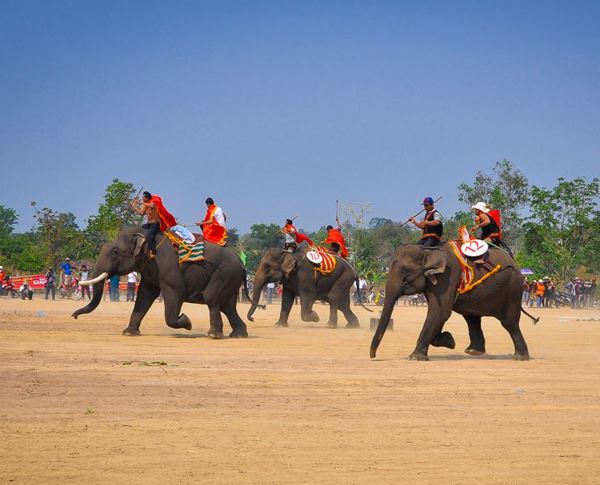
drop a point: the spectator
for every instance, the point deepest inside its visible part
(577, 288)
(8, 287)
(362, 289)
(114, 288)
(50, 284)
(593, 291)
(67, 272)
(84, 276)
(550, 296)
(525, 297)
(2, 275)
(25, 291)
(532, 291)
(539, 293)
(131, 281)
(270, 292)
(587, 293)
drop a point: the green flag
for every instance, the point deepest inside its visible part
(243, 257)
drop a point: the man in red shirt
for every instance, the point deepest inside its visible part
(336, 240)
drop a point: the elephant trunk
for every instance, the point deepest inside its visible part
(259, 283)
(91, 306)
(384, 321)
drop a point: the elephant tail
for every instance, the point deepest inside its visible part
(358, 299)
(535, 320)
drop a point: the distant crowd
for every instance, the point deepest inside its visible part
(543, 293)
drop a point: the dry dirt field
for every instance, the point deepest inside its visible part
(79, 403)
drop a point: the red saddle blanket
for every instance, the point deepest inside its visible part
(328, 263)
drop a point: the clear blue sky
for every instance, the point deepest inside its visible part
(279, 108)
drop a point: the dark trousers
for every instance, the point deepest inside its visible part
(130, 291)
(50, 288)
(151, 231)
(85, 289)
(429, 242)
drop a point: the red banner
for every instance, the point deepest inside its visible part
(36, 281)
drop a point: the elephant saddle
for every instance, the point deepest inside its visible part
(473, 273)
(188, 252)
(328, 261)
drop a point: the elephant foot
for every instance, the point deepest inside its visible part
(182, 322)
(131, 332)
(474, 351)
(281, 324)
(310, 317)
(215, 335)
(521, 356)
(332, 324)
(444, 339)
(239, 334)
(352, 325)
(418, 356)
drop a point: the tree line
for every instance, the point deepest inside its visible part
(553, 231)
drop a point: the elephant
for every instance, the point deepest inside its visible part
(301, 279)
(215, 281)
(436, 272)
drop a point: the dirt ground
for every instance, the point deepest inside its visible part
(79, 403)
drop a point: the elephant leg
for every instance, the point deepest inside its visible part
(287, 300)
(145, 297)
(477, 345)
(213, 297)
(339, 298)
(216, 322)
(344, 306)
(432, 328)
(510, 322)
(238, 326)
(173, 301)
(306, 312)
(333, 316)
(444, 339)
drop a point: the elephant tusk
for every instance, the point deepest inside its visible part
(97, 279)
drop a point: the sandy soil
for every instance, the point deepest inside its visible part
(81, 403)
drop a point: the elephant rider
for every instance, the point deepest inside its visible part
(213, 225)
(336, 240)
(432, 225)
(158, 218)
(490, 229)
(293, 237)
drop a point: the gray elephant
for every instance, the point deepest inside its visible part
(215, 281)
(436, 272)
(300, 278)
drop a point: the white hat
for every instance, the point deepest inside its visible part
(1, 267)
(480, 206)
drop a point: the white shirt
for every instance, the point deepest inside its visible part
(132, 277)
(219, 216)
(362, 283)
(84, 275)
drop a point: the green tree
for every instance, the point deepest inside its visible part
(506, 189)
(260, 238)
(113, 214)
(563, 232)
(57, 235)
(8, 220)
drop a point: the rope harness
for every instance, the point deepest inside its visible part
(468, 273)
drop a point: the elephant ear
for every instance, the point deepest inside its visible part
(288, 264)
(434, 263)
(138, 244)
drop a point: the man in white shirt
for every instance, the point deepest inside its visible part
(131, 281)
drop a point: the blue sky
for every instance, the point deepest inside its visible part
(278, 109)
